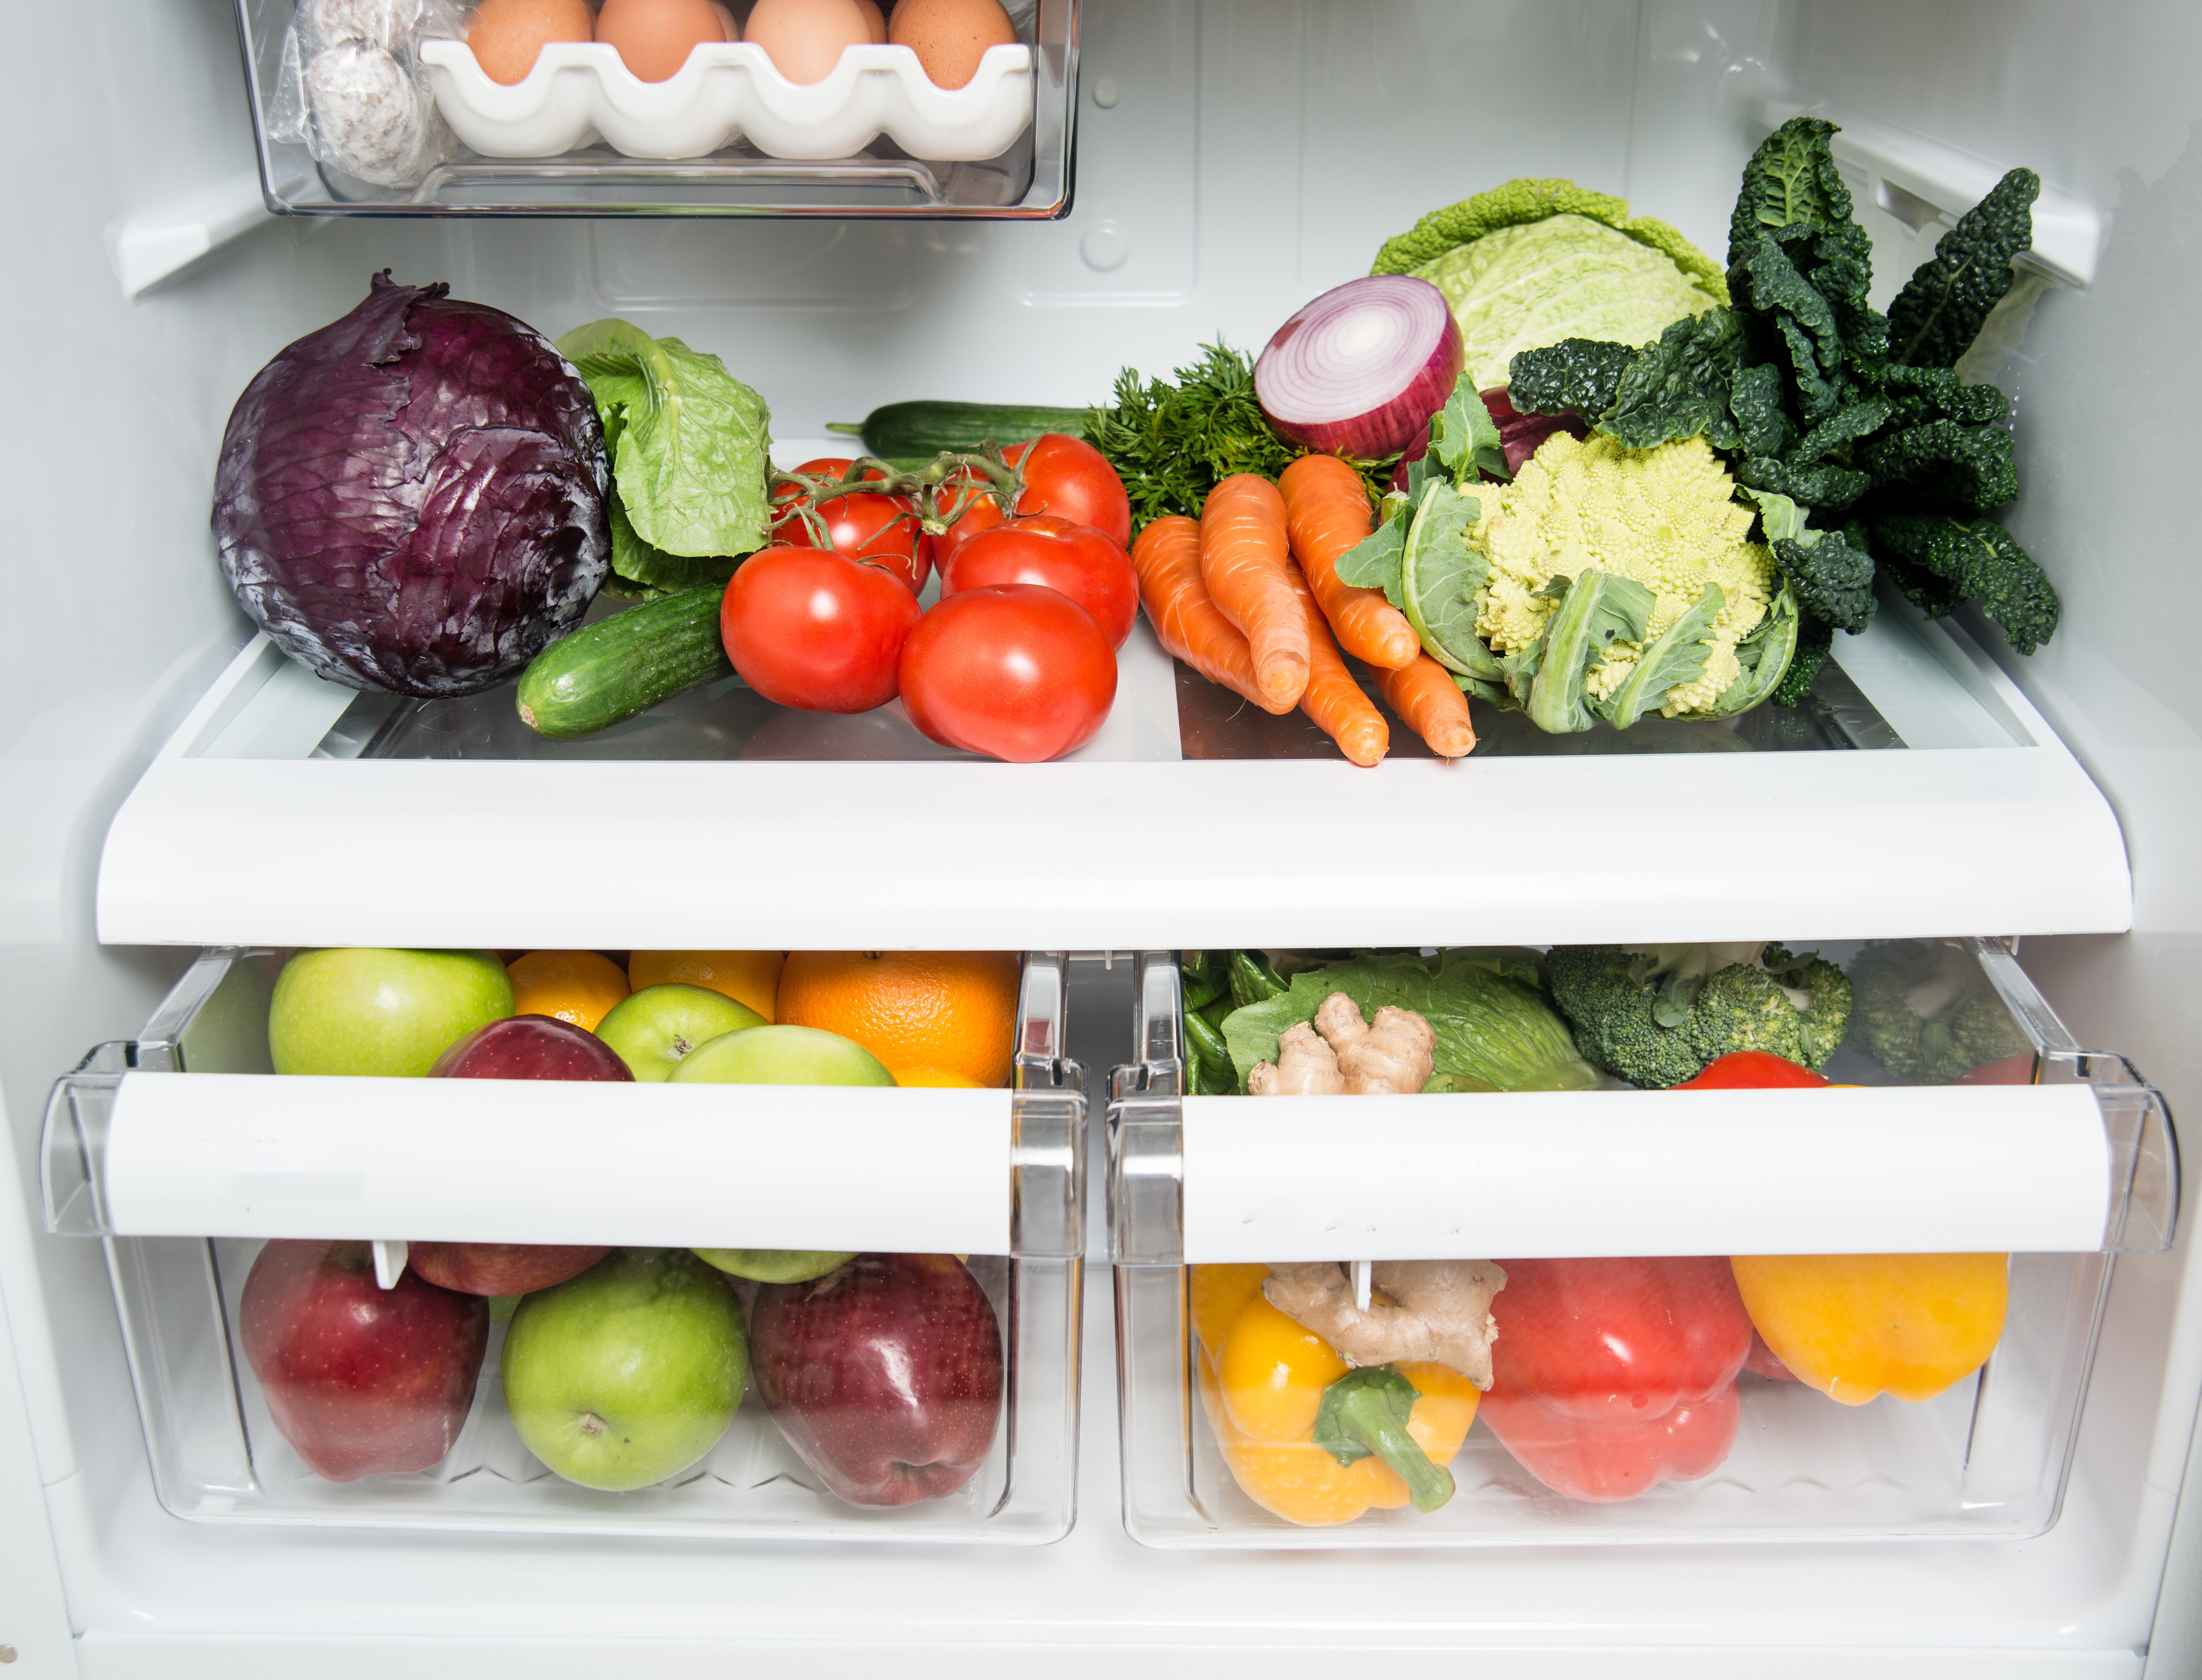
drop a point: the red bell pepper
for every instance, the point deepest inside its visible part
(1753, 1070)
(1611, 1375)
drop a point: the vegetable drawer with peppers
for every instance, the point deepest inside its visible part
(1685, 1242)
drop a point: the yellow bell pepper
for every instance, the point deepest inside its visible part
(1263, 1380)
(1857, 1326)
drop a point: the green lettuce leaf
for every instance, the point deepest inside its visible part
(644, 571)
(689, 444)
(1486, 1010)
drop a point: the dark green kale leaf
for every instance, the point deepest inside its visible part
(1791, 182)
(1969, 557)
(1762, 426)
(1814, 637)
(1922, 394)
(1944, 465)
(1804, 322)
(1940, 312)
(1832, 572)
(1575, 375)
(1681, 385)
(1816, 484)
(1844, 427)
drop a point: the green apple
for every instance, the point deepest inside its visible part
(782, 1056)
(655, 1029)
(774, 1265)
(366, 1010)
(629, 1373)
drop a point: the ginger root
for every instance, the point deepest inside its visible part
(1393, 1057)
(1442, 1315)
(1305, 1067)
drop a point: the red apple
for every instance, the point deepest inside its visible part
(884, 1375)
(361, 1381)
(520, 1046)
(530, 1047)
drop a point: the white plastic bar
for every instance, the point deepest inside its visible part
(215, 851)
(1949, 1169)
(736, 1166)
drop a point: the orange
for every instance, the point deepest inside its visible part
(575, 985)
(948, 1076)
(749, 977)
(950, 1011)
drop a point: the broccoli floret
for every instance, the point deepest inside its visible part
(1656, 1018)
(1925, 1012)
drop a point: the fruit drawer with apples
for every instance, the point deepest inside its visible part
(1689, 1243)
(634, 1250)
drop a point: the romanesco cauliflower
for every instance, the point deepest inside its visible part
(1664, 517)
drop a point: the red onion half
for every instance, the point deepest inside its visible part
(1361, 369)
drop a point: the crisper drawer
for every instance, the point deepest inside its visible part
(891, 1311)
(1541, 1305)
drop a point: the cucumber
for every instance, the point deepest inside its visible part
(606, 672)
(924, 429)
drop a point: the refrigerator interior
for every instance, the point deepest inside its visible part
(1250, 155)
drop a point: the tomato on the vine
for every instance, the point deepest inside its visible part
(862, 525)
(1012, 670)
(815, 630)
(1064, 476)
(1073, 560)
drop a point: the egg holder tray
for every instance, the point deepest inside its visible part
(581, 92)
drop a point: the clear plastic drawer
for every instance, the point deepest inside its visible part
(1930, 1247)
(962, 1206)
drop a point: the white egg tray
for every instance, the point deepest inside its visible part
(579, 93)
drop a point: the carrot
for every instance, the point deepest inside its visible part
(1333, 700)
(1430, 704)
(1243, 552)
(1326, 512)
(1167, 558)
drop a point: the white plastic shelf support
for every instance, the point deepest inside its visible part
(149, 245)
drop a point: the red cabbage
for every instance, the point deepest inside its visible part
(412, 499)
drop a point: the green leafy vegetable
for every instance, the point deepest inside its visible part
(1596, 609)
(1825, 406)
(1464, 438)
(1974, 558)
(1485, 1009)
(1440, 573)
(1173, 441)
(1375, 562)
(1677, 655)
(689, 451)
(1945, 302)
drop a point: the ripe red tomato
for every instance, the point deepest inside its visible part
(814, 630)
(1065, 476)
(885, 528)
(1073, 560)
(1012, 670)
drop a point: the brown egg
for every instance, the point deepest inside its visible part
(873, 17)
(804, 38)
(950, 36)
(726, 20)
(655, 37)
(505, 35)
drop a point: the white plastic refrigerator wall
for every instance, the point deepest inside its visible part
(1234, 157)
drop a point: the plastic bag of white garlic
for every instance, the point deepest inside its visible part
(352, 92)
